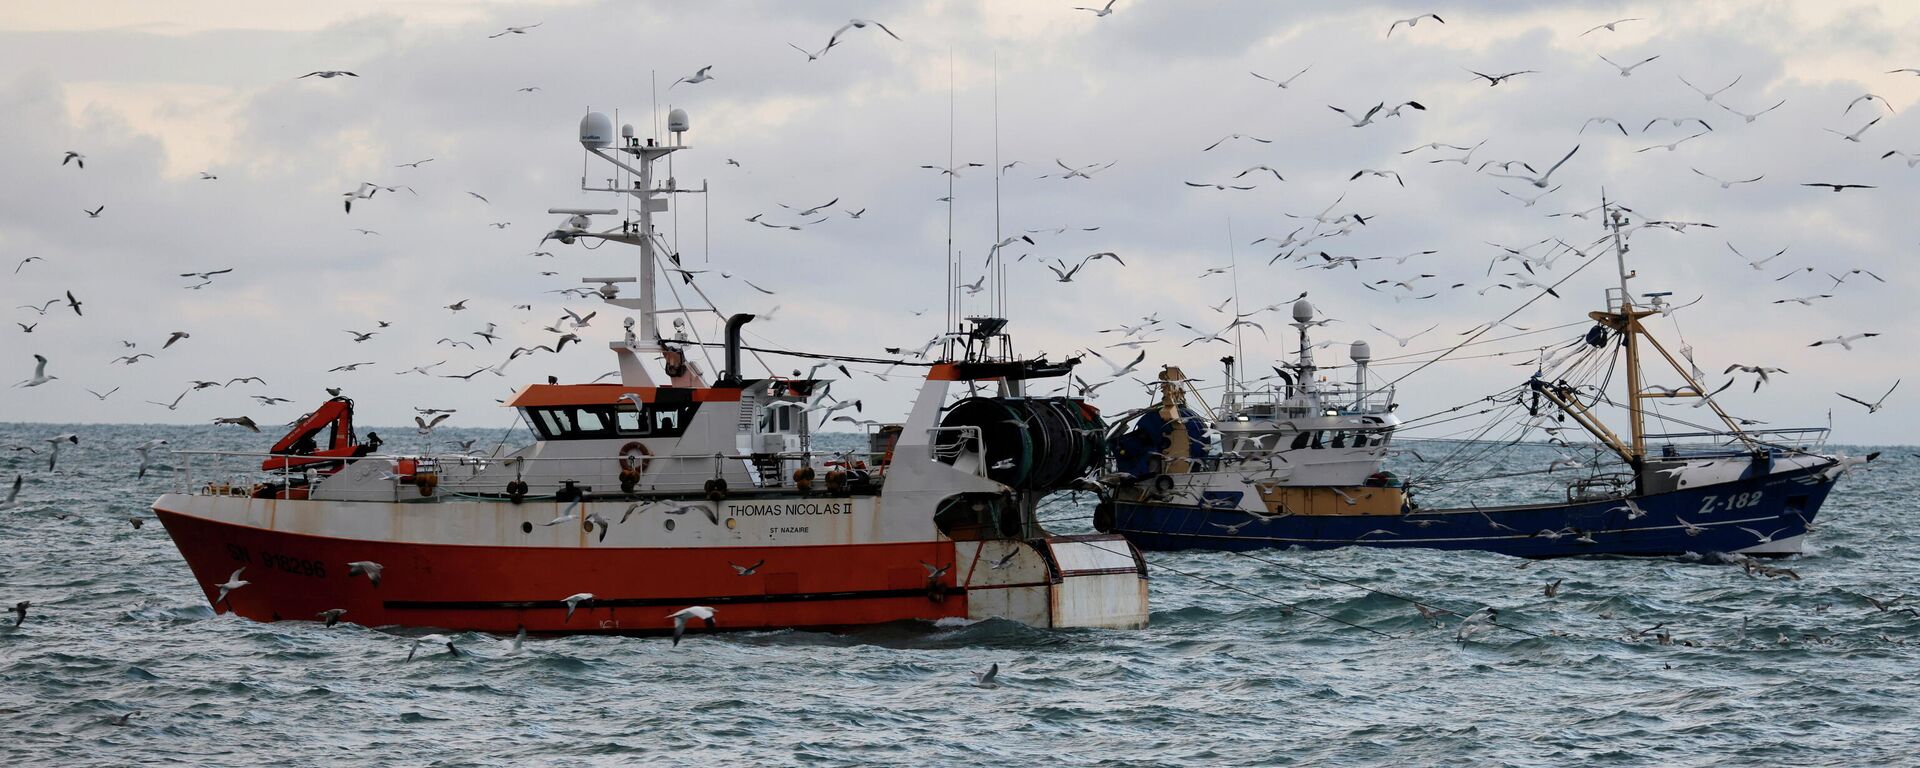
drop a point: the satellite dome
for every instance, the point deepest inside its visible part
(677, 121)
(1302, 311)
(1360, 352)
(596, 130)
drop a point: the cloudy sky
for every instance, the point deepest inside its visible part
(155, 95)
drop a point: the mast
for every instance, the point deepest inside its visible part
(1630, 325)
(1622, 317)
(596, 136)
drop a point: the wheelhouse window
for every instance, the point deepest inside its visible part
(587, 422)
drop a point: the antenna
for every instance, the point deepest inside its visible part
(999, 256)
(953, 267)
(1233, 264)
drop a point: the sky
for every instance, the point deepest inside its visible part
(155, 95)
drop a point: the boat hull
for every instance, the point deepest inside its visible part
(295, 575)
(1701, 519)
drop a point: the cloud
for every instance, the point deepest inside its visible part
(1145, 89)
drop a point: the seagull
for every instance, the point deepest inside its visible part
(511, 31)
(748, 570)
(1283, 83)
(103, 395)
(1838, 187)
(1913, 159)
(1757, 265)
(986, 678)
(238, 421)
(811, 55)
(810, 211)
(1760, 370)
(699, 76)
(858, 24)
(176, 336)
(12, 500)
(1380, 173)
(1673, 145)
(1867, 97)
(1842, 278)
(1764, 537)
(414, 164)
(573, 601)
(1364, 120)
(75, 158)
(367, 568)
(1098, 13)
(1845, 342)
(1855, 136)
(1805, 301)
(1234, 136)
(1627, 71)
(1493, 80)
(435, 639)
(457, 306)
(1874, 407)
(519, 638)
(1634, 511)
(700, 612)
(95, 213)
(1403, 340)
(233, 582)
(1609, 26)
(331, 615)
(1413, 22)
(1754, 116)
(39, 373)
(145, 450)
(1603, 121)
(327, 74)
(1709, 95)
(1529, 202)
(74, 304)
(478, 196)
(1120, 370)
(1726, 183)
(1541, 181)
(204, 176)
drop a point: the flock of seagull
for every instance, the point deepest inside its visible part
(1309, 245)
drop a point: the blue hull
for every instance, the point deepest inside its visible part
(1779, 506)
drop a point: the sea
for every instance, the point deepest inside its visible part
(1280, 658)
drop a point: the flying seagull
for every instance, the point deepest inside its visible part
(39, 373)
(699, 76)
(1873, 407)
(513, 31)
(327, 74)
(700, 612)
(1413, 22)
(1541, 181)
(1286, 82)
(1099, 13)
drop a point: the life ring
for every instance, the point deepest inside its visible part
(629, 462)
(1163, 485)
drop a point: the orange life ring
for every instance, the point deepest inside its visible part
(632, 464)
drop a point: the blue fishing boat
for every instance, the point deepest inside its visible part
(1295, 460)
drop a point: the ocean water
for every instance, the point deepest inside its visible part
(1247, 662)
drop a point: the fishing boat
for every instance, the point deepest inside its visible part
(667, 490)
(1293, 460)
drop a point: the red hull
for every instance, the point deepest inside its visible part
(498, 589)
